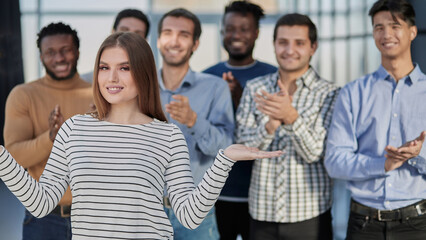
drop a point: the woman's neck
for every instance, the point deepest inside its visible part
(127, 115)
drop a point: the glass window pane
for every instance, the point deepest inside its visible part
(269, 6)
(341, 5)
(326, 6)
(341, 26)
(340, 52)
(316, 60)
(314, 6)
(208, 6)
(264, 48)
(315, 20)
(357, 23)
(214, 6)
(285, 6)
(369, 24)
(370, 3)
(356, 60)
(325, 26)
(206, 55)
(92, 5)
(325, 60)
(355, 5)
(28, 5)
(373, 56)
(30, 53)
(303, 6)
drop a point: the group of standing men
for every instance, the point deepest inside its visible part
(374, 125)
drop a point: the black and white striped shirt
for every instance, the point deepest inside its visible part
(117, 175)
(295, 186)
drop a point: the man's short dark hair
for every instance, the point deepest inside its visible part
(132, 13)
(244, 8)
(296, 19)
(181, 12)
(55, 29)
(397, 8)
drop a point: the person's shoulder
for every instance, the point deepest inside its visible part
(326, 88)
(88, 118)
(27, 88)
(165, 128)
(267, 66)
(209, 79)
(262, 80)
(215, 68)
(208, 76)
(325, 83)
(361, 82)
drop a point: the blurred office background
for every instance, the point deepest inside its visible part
(346, 51)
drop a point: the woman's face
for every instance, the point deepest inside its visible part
(115, 78)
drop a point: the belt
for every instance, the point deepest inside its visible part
(62, 210)
(166, 202)
(413, 210)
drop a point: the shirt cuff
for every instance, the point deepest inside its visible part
(264, 134)
(199, 128)
(4, 154)
(294, 127)
(419, 163)
(225, 161)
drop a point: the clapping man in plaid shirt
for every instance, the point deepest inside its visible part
(290, 196)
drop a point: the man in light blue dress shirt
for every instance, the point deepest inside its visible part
(200, 104)
(377, 132)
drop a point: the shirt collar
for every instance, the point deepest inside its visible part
(414, 76)
(188, 79)
(308, 78)
(240, 67)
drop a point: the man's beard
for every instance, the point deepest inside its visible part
(240, 56)
(178, 63)
(54, 77)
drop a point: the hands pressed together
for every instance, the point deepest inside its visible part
(234, 87)
(55, 121)
(395, 157)
(277, 106)
(181, 111)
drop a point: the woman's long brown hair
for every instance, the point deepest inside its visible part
(143, 70)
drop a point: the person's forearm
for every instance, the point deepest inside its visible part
(31, 152)
(31, 193)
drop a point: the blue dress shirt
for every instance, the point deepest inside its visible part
(210, 98)
(371, 113)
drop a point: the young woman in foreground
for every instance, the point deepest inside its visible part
(118, 160)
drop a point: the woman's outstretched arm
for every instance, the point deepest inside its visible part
(40, 198)
(192, 203)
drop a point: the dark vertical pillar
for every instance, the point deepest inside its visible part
(11, 71)
(11, 74)
(418, 49)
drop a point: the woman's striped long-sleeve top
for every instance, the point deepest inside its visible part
(117, 174)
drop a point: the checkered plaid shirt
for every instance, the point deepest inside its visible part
(295, 186)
